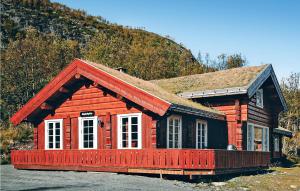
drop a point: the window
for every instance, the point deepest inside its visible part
(259, 98)
(201, 134)
(130, 131)
(53, 134)
(276, 143)
(257, 138)
(88, 132)
(174, 132)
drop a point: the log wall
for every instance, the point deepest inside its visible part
(106, 107)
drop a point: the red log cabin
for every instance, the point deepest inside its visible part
(94, 118)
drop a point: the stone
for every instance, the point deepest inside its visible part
(219, 183)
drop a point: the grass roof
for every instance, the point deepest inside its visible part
(237, 77)
(152, 88)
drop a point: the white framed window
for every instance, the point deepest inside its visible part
(260, 98)
(130, 131)
(276, 143)
(201, 134)
(88, 138)
(53, 134)
(174, 132)
(257, 137)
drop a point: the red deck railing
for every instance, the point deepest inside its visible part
(191, 159)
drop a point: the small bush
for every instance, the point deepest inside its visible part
(12, 137)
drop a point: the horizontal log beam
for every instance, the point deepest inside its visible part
(63, 90)
(46, 106)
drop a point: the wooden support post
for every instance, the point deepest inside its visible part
(67, 134)
(35, 138)
(153, 134)
(108, 143)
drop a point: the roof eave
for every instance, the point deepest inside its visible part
(213, 93)
(283, 132)
(197, 112)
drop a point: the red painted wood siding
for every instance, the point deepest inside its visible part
(236, 112)
(106, 107)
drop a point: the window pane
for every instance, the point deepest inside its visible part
(50, 132)
(134, 143)
(134, 128)
(134, 120)
(85, 130)
(124, 136)
(170, 133)
(124, 144)
(85, 144)
(91, 129)
(176, 122)
(171, 143)
(124, 124)
(50, 126)
(258, 138)
(91, 137)
(57, 131)
(91, 144)
(85, 123)
(57, 145)
(90, 123)
(50, 138)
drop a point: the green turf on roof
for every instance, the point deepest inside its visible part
(237, 77)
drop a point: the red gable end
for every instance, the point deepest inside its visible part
(98, 76)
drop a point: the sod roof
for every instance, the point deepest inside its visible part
(152, 88)
(231, 78)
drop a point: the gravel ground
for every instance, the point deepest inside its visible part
(12, 179)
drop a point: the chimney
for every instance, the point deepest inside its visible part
(121, 69)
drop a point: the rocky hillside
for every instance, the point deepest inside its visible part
(47, 17)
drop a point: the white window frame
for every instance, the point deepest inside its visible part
(60, 121)
(129, 116)
(201, 122)
(179, 132)
(276, 143)
(250, 137)
(261, 103)
(95, 132)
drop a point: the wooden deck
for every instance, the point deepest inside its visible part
(154, 161)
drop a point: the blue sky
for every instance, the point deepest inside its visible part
(264, 31)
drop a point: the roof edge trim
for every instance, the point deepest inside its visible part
(261, 78)
(216, 92)
(197, 112)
